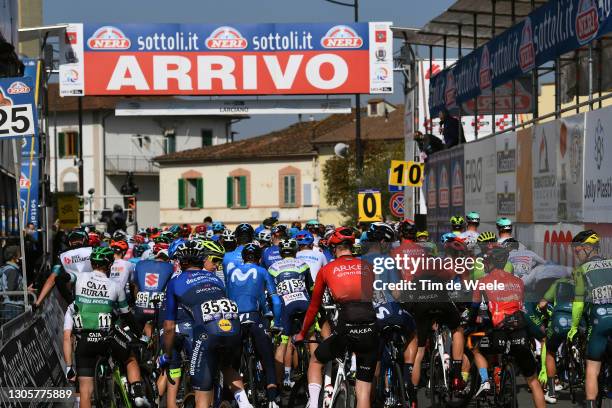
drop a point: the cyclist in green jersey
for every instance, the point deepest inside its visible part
(593, 279)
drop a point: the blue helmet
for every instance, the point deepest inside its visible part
(304, 238)
(218, 226)
(449, 236)
(173, 247)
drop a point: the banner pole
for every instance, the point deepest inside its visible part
(20, 222)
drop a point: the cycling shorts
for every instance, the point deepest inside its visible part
(288, 321)
(181, 343)
(361, 339)
(217, 346)
(445, 313)
(535, 321)
(89, 346)
(600, 329)
(496, 342)
(556, 333)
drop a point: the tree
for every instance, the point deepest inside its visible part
(340, 176)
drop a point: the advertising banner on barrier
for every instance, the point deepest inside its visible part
(505, 182)
(570, 177)
(457, 181)
(524, 181)
(598, 167)
(431, 187)
(239, 59)
(544, 155)
(480, 174)
(444, 186)
(553, 29)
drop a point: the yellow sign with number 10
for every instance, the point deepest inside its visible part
(406, 173)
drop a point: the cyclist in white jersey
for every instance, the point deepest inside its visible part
(121, 270)
(522, 260)
(504, 231)
(313, 257)
(75, 260)
(470, 235)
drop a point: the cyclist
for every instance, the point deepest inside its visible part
(216, 328)
(122, 270)
(244, 234)
(246, 285)
(313, 257)
(504, 230)
(422, 238)
(593, 278)
(76, 260)
(217, 228)
(312, 226)
(272, 254)
(457, 223)
(505, 306)
(351, 289)
(470, 235)
(228, 240)
(522, 260)
(264, 237)
(484, 240)
(293, 284)
(90, 316)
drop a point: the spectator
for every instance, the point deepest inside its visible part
(451, 129)
(11, 280)
(117, 220)
(208, 221)
(428, 144)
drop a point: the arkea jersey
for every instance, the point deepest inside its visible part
(151, 278)
(76, 260)
(502, 302)
(202, 295)
(270, 255)
(292, 280)
(246, 285)
(96, 296)
(315, 260)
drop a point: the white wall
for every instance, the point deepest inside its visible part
(264, 188)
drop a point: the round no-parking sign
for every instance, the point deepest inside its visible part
(396, 204)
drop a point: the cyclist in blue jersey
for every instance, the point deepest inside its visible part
(216, 327)
(228, 240)
(294, 285)
(246, 283)
(149, 279)
(244, 234)
(217, 228)
(272, 254)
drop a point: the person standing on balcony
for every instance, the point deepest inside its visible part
(451, 129)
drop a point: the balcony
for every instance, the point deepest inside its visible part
(119, 165)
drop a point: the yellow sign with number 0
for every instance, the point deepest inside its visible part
(406, 173)
(369, 205)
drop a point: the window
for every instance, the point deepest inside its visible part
(191, 193)
(307, 196)
(170, 145)
(237, 192)
(207, 137)
(68, 144)
(71, 186)
(289, 190)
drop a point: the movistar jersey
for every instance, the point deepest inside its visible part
(75, 260)
(270, 255)
(246, 285)
(151, 278)
(231, 260)
(292, 279)
(561, 295)
(96, 296)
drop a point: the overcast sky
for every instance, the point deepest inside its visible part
(403, 13)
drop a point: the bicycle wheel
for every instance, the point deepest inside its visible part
(463, 398)
(507, 392)
(103, 383)
(436, 379)
(298, 397)
(397, 387)
(252, 388)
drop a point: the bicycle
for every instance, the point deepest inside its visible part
(605, 378)
(299, 392)
(391, 390)
(571, 363)
(252, 370)
(185, 397)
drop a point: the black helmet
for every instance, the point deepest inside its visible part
(77, 238)
(511, 244)
(251, 252)
(407, 230)
(288, 247)
(244, 232)
(279, 230)
(379, 231)
(498, 256)
(190, 252)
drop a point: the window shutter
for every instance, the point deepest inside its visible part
(285, 190)
(61, 148)
(292, 190)
(181, 193)
(243, 191)
(76, 142)
(200, 192)
(230, 192)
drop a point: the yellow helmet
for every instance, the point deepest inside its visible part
(589, 237)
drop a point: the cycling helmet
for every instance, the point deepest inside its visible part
(270, 222)
(142, 231)
(341, 235)
(457, 222)
(511, 244)
(587, 237)
(330, 227)
(379, 231)
(102, 258)
(94, 239)
(264, 236)
(357, 249)
(139, 250)
(119, 246)
(407, 230)
(217, 227)
(213, 249)
(288, 247)
(190, 252)
(185, 231)
(139, 239)
(304, 238)
(172, 248)
(174, 229)
(279, 230)
(473, 217)
(244, 232)
(312, 223)
(228, 236)
(293, 231)
(497, 255)
(200, 229)
(162, 246)
(503, 224)
(152, 231)
(455, 248)
(251, 252)
(209, 233)
(120, 235)
(422, 234)
(486, 236)
(163, 255)
(77, 238)
(164, 237)
(448, 237)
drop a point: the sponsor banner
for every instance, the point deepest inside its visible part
(457, 180)
(524, 181)
(444, 185)
(555, 28)
(17, 107)
(71, 72)
(544, 155)
(570, 175)
(480, 176)
(431, 186)
(28, 191)
(505, 182)
(552, 242)
(598, 167)
(241, 59)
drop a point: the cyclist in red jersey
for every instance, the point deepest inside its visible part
(351, 289)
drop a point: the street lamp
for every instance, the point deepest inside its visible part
(91, 192)
(358, 147)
